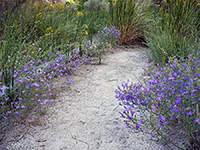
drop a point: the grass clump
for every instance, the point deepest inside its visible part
(175, 30)
(130, 17)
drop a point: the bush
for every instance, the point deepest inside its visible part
(104, 40)
(44, 42)
(25, 80)
(175, 30)
(130, 17)
(96, 5)
(170, 98)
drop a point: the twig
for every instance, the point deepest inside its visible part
(80, 140)
(167, 139)
(115, 108)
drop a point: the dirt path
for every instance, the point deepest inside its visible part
(85, 116)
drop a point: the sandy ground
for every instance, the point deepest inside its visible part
(85, 115)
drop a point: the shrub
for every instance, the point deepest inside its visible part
(169, 98)
(96, 5)
(102, 41)
(25, 82)
(175, 30)
(44, 42)
(130, 17)
(34, 48)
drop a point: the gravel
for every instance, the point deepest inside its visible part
(85, 115)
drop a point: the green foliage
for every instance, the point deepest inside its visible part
(40, 41)
(130, 17)
(103, 41)
(81, 4)
(168, 100)
(96, 5)
(175, 30)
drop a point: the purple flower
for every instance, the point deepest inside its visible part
(6, 98)
(177, 100)
(162, 118)
(1, 93)
(159, 124)
(197, 120)
(154, 108)
(140, 122)
(43, 95)
(151, 135)
(176, 109)
(137, 127)
(171, 117)
(185, 111)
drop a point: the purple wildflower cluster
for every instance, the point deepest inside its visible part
(101, 42)
(170, 96)
(32, 81)
(108, 34)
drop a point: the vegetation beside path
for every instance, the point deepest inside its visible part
(40, 41)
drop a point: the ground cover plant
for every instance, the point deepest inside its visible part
(103, 41)
(40, 41)
(169, 99)
(43, 43)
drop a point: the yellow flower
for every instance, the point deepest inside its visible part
(160, 9)
(76, 21)
(39, 14)
(47, 34)
(85, 25)
(86, 33)
(52, 31)
(158, 5)
(71, 1)
(79, 13)
(48, 28)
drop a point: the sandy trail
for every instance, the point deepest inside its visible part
(86, 115)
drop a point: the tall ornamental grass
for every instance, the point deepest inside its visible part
(130, 17)
(175, 30)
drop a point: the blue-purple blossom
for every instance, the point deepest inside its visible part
(171, 93)
(162, 118)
